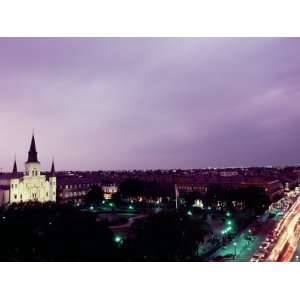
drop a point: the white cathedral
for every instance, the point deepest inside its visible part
(30, 186)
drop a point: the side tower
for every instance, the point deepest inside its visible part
(52, 182)
(32, 166)
(15, 189)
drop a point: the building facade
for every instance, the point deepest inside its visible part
(74, 189)
(31, 185)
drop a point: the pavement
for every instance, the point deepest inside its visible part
(123, 229)
(240, 249)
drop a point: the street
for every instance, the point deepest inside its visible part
(288, 235)
(245, 244)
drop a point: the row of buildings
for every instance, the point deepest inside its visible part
(33, 185)
(73, 186)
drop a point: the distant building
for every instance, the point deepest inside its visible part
(74, 188)
(30, 186)
(185, 188)
(229, 173)
(109, 190)
(274, 188)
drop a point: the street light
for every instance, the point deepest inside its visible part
(118, 239)
(235, 244)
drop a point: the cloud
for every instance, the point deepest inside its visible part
(106, 103)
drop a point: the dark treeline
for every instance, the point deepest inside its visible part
(217, 196)
(171, 236)
(134, 188)
(51, 232)
(245, 198)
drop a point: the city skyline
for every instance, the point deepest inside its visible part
(150, 103)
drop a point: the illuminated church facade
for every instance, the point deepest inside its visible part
(31, 185)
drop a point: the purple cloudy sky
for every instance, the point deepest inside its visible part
(109, 103)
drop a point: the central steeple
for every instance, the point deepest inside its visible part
(32, 154)
(15, 169)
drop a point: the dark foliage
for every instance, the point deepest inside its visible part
(133, 188)
(48, 232)
(94, 195)
(165, 237)
(253, 199)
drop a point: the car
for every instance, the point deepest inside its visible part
(257, 257)
(264, 245)
(253, 230)
(270, 239)
(254, 259)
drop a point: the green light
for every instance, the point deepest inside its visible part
(189, 213)
(118, 239)
(234, 244)
(103, 202)
(130, 207)
(111, 204)
(229, 222)
(228, 214)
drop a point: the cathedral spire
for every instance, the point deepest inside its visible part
(15, 169)
(32, 154)
(52, 172)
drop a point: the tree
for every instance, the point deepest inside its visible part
(51, 232)
(165, 237)
(94, 195)
(131, 188)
